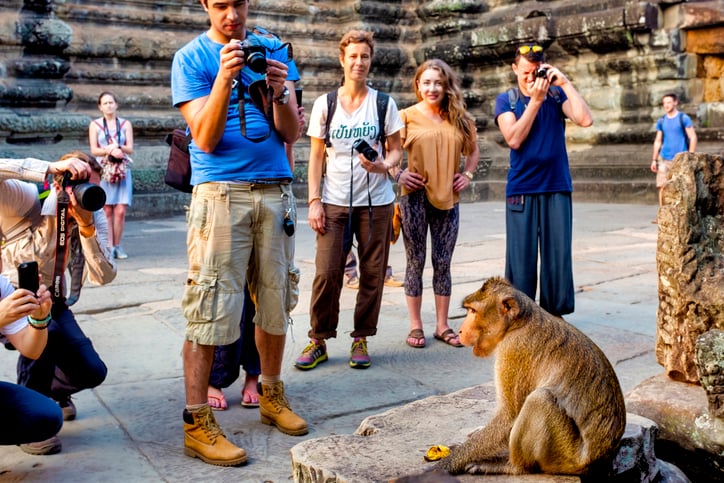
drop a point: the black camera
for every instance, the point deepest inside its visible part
(541, 72)
(365, 149)
(254, 54)
(90, 197)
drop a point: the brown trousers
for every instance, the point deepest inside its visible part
(373, 248)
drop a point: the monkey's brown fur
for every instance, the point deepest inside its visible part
(559, 410)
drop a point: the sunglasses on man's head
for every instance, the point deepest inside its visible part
(524, 49)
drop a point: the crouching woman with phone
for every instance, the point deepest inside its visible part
(24, 316)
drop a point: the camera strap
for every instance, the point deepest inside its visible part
(242, 112)
(347, 243)
(109, 138)
(61, 247)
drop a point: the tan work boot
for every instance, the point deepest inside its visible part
(204, 439)
(274, 409)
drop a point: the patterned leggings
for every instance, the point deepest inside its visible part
(417, 214)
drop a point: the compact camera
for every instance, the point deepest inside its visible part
(365, 149)
(541, 72)
(254, 54)
(90, 197)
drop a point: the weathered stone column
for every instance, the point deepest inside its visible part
(39, 71)
(690, 261)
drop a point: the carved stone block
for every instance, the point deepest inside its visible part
(690, 261)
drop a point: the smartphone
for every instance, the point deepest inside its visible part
(28, 276)
(298, 92)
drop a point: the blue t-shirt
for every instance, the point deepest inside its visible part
(235, 158)
(540, 164)
(674, 136)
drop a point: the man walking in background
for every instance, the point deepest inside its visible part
(674, 134)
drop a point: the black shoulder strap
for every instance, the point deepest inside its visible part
(513, 96)
(683, 128)
(331, 107)
(556, 93)
(382, 101)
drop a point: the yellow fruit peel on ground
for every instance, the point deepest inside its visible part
(437, 452)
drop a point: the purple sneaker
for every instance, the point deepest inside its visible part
(313, 354)
(358, 356)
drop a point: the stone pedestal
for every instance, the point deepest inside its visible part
(391, 445)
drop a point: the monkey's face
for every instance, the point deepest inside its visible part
(484, 327)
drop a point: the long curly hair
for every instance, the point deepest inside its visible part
(453, 104)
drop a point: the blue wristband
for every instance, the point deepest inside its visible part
(39, 324)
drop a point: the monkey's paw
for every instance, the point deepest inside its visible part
(476, 469)
(437, 452)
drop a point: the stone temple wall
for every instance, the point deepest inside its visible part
(57, 56)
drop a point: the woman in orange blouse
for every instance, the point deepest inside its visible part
(438, 134)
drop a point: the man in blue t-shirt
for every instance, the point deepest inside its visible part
(674, 134)
(235, 89)
(538, 193)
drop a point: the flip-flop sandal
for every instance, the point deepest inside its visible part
(249, 400)
(416, 338)
(448, 337)
(217, 403)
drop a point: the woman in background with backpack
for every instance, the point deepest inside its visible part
(111, 141)
(356, 199)
(438, 132)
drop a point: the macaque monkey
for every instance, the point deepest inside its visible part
(559, 410)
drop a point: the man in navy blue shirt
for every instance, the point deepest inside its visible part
(538, 193)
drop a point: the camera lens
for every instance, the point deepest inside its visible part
(256, 62)
(541, 72)
(91, 197)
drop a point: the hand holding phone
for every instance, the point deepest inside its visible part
(28, 276)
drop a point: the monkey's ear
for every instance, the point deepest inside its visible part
(508, 306)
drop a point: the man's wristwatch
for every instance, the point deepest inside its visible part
(283, 98)
(468, 175)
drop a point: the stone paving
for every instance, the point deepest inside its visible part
(130, 428)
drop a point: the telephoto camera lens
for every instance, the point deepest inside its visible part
(91, 197)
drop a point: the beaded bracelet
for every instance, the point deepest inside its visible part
(39, 324)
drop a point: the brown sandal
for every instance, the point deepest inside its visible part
(449, 337)
(416, 339)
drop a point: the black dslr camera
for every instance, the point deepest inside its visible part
(90, 197)
(254, 54)
(365, 149)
